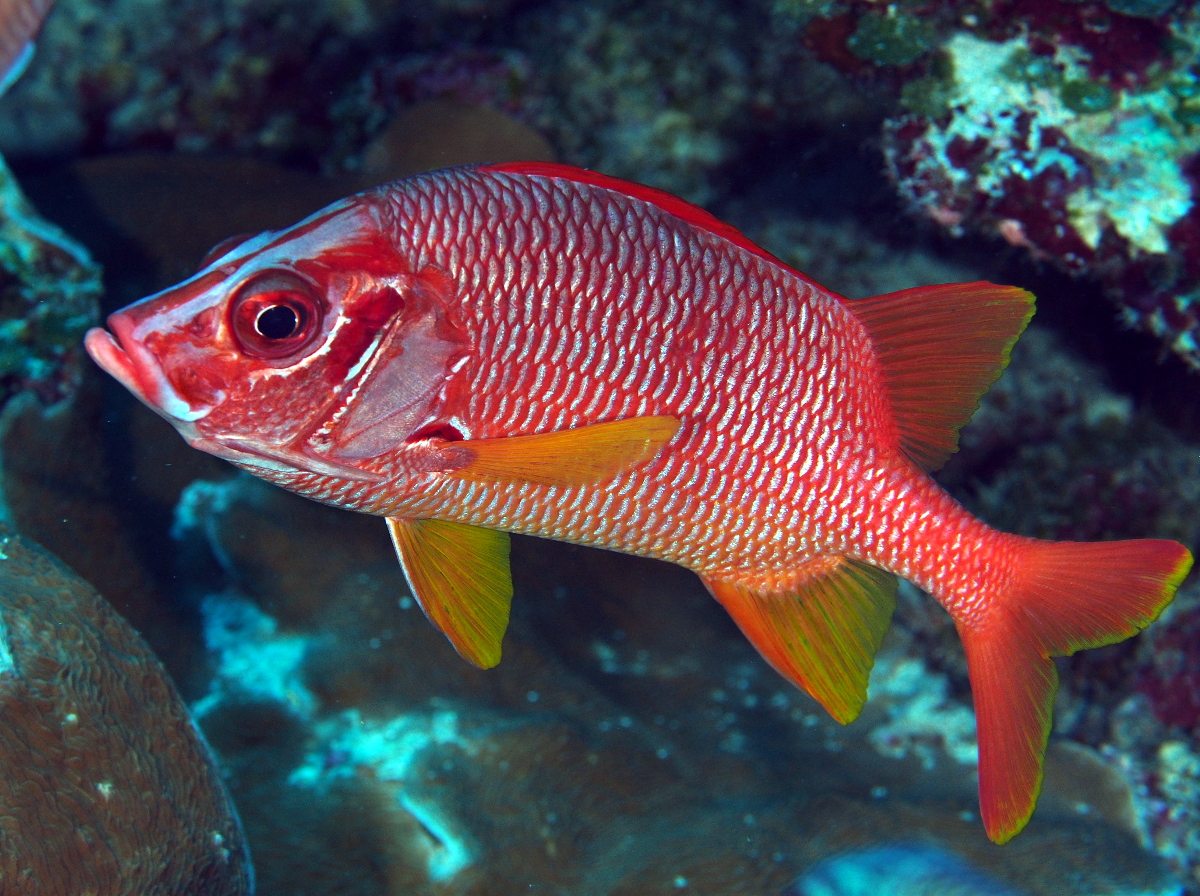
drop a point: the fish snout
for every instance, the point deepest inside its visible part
(121, 354)
(111, 358)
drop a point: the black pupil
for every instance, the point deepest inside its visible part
(277, 322)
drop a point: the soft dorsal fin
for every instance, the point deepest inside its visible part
(821, 633)
(940, 348)
(680, 208)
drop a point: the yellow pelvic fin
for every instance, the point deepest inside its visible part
(460, 577)
(571, 457)
(822, 632)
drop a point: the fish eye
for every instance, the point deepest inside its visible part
(275, 315)
(277, 322)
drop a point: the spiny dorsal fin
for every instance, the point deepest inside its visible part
(940, 348)
(822, 632)
(680, 208)
(459, 575)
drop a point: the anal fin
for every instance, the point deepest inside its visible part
(822, 632)
(460, 576)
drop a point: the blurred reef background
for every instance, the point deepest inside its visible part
(631, 742)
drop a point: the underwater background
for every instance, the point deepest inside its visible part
(631, 742)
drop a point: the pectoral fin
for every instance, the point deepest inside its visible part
(571, 457)
(821, 633)
(460, 577)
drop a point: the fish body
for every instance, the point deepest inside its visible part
(534, 348)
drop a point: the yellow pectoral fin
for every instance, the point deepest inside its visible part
(572, 457)
(460, 577)
(821, 633)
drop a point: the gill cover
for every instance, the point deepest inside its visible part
(400, 387)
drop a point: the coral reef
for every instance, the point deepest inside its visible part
(253, 661)
(108, 787)
(1154, 733)
(901, 869)
(250, 75)
(923, 720)
(49, 292)
(1070, 144)
(1067, 129)
(629, 94)
(441, 134)
(501, 80)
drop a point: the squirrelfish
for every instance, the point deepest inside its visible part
(541, 349)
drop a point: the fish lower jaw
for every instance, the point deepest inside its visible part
(112, 359)
(273, 458)
(139, 373)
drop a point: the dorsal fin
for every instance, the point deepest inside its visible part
(680, 208)
(940, 348)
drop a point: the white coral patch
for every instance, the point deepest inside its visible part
(255, 662)
(1132, 150)
(922, 719)
(7, 664)
(390, 749)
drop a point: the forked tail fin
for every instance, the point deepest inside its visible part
(1066, 596)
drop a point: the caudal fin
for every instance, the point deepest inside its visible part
(1066, 596)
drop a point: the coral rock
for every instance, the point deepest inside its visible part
(49, 290)
(108, 788)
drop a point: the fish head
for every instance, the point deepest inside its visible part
(313, 349)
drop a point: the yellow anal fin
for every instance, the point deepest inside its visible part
(571, 457)
(460, 577)
(822, 632)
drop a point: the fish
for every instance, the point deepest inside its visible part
(536, 348)
(898, 869)
(20, 21)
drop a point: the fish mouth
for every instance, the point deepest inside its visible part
(138, 372)
(136, 368)
(108, 354)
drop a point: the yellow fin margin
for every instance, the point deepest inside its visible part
(460, 576)
(822, 632)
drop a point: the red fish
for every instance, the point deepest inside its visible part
(536, 348)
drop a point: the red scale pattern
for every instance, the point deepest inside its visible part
(589, 305)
